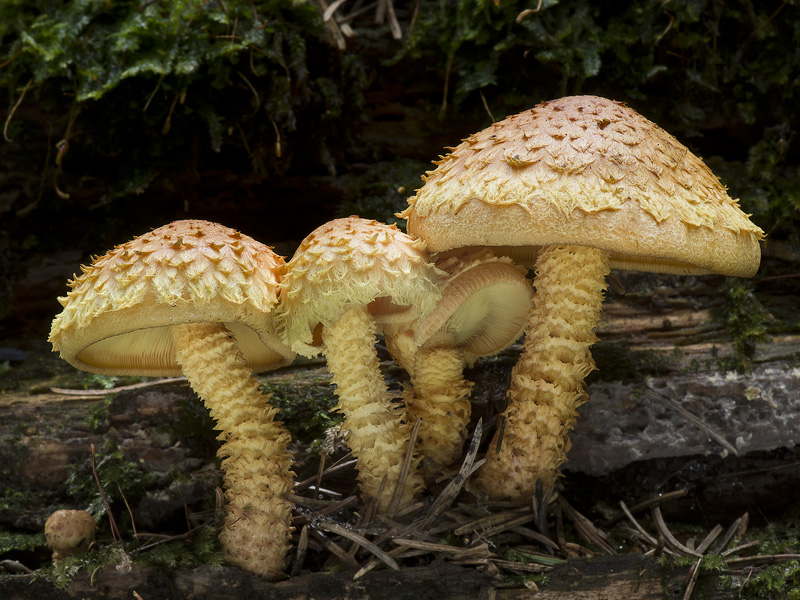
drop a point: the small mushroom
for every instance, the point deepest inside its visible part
(349, 279)
(196, 297)
(69, 532)
(484, 308)
(575, 186)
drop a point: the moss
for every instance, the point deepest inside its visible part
(772, 582)
(62, 573)
(201, 549)
(775, 582)
(16, 542)
(713, 73)
(19, 504)
(97, 418)
(118, 476)
(206, 78)
(305, 409)
(745, 320)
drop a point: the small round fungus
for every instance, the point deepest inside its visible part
(69, 532)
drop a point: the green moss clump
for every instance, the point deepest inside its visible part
(202, 549)
(306, 412)
(98, 417)
(256, 81)
(118, 476)
(774, 582)
(714, 73)
(745, 319)
(62, 573)
(16, 541)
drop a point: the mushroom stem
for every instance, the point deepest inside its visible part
(441, 399)
(379, 431)
(547, 383)
(256, 465)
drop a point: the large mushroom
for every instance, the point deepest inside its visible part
(484, 307)
(195, 298)
(349, 279)
(579, 185)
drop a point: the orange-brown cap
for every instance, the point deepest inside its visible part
(349, 263)
(584, 170)
(116, 317)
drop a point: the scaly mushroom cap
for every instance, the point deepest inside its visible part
(349, 263)
(117, 316)
(588, 171)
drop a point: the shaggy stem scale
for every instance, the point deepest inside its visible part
(378, 429)
(547, 384)
(256, 465)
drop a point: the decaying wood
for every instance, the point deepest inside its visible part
(620, 576)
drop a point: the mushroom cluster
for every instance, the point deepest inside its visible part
(571, 189)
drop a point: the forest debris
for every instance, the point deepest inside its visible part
(658, 499)
(736, 528)
(694, 573)
(361, 541)
(670, 539)
(585, 527)
(13, 566)
(763, 559)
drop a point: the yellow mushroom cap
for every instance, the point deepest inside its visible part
(485, 303)
(117, 316)
(587, 171)
(349, 263)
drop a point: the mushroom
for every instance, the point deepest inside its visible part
(484, 307)
(69, 532)
(579, 185)
(196, 297)
(349, 279)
